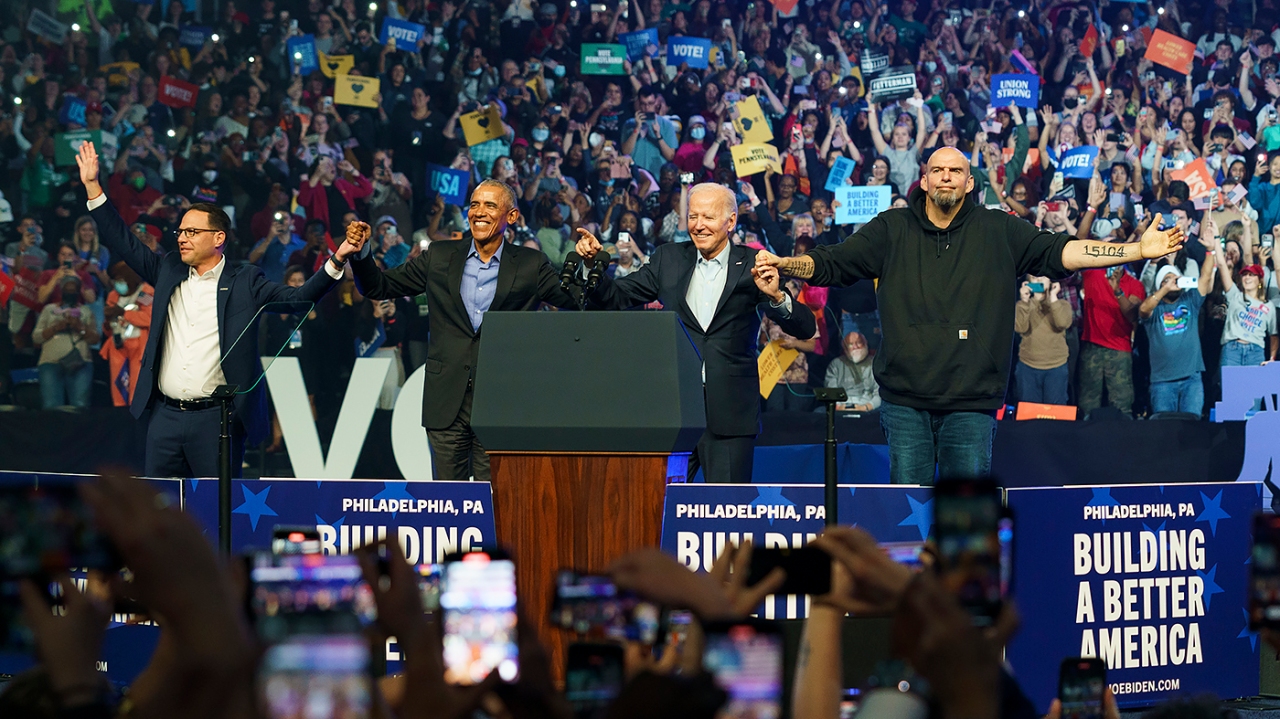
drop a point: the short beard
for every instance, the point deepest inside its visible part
(945, 199)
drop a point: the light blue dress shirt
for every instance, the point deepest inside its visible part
(706, 286)
(479, 284)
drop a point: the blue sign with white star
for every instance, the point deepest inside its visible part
(699, 519)
(1152, 579)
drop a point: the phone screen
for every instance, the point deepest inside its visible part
(746, 660)
(583, 602)
(317, 676)
(808, 569)
(967, 518)
(430, 579)
(1081, 685)
(593, 678)
(906, 553)
(308, 594)
(295, 540)
(1264, 580)
(478, 598)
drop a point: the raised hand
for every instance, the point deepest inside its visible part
(587, 245)
(767, 259)
(358, 233)
(1024, 292)
(87, 160)
(767, 281)
(1158, 243)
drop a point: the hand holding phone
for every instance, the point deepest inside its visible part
(478, 599)
(1082, 685)
(967, 527)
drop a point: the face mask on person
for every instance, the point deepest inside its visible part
(540, 134)
(476, 72)
(209, 175)
(122, 287)
(1070, 102)
(558, 71)
(826, 222)
(930, 66)
(698, 132)
(858, 355)
(138, 183)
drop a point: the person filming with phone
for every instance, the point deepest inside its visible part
(946, 269)
(650, 139)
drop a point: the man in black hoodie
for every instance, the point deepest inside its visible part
(947, 271)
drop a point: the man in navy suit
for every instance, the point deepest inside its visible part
(203, 307)
(716, 290)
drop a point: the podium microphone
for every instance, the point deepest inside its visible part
(597, 271)
(572, 262)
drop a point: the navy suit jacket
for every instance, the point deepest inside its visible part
(728, 345)
(242, 291)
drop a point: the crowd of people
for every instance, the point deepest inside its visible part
(617, 154)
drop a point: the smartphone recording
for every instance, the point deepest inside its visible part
(583, 603)
(478, 599)
(308, 594)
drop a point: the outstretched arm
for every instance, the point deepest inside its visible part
(1090, 254)
(112, 230)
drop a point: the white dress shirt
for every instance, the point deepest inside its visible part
(191, 358)
(706, 286)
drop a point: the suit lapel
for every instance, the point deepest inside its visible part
(736, 265)
(507, 271)
(686, 276)
(456, 265)
(224, 292)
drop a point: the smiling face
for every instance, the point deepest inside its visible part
(712, 216)
(198, 242)
(490, 211)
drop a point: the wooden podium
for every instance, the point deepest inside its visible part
(580, 414)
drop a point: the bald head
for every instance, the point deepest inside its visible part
(947, 179)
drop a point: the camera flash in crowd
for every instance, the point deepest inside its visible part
(17, 101)
(215, 37)
(1160, 11)
(1108, 91)
(1124, 28)
(573, 3)
(373, 7)
(1022, 13)
(818, 56)
(856, 24)
(251, 58)
(297, 56)
(171, 133)
(75, 27)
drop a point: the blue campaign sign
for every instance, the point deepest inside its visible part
(406, 34)
(72, 110)
(450, 183)
(839, 174)
(194, 35)
(1150, 578)
(858, 205)
(638, 43)
(695, 51)
(1020, 90)
(1078, 163)
(302, 54)
(699, 519)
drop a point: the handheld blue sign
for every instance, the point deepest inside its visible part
(1078, 163)
(858, 205)
(450, 183)
(1020, 90)
(838, 175)
(639, 42)
(693, 51)
(406, 34)
(302, 54)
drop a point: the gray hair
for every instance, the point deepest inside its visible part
(728, 197)
(507, 192)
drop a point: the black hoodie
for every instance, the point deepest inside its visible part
(946, 298)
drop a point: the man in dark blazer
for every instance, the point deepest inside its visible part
(203, 307)
(464, 279)
(712, 286)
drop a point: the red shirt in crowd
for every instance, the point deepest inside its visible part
(1103, 324)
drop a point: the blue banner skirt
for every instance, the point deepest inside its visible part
(1151, 578)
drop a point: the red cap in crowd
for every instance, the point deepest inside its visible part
(1255, 270)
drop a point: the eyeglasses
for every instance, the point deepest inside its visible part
(191, 232)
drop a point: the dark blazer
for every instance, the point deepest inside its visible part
(728, 346)
(525, 280)
(242, 291)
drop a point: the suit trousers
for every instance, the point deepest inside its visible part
(723, 459)
(185, 444)
(456, 451)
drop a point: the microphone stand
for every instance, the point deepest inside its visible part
(831, 498)
(226, 395)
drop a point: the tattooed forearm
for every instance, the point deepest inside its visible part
(1104, 250)
(800, 267)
